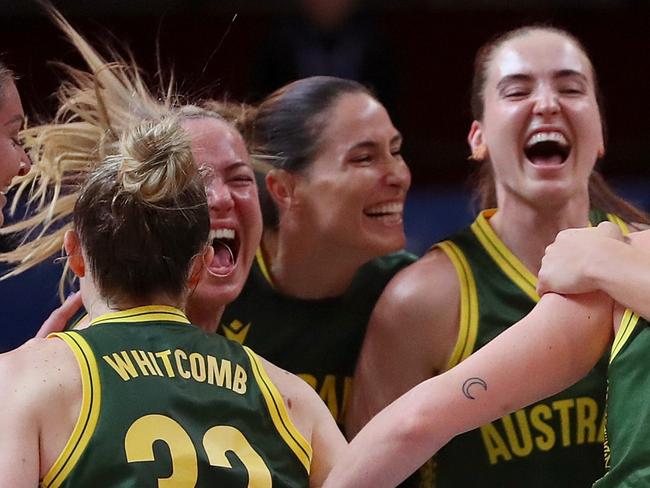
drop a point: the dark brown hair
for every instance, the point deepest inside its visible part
(286, 127)
(142, 214)
(601, 195)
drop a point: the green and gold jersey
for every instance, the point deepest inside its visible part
(553, 443)
(165, 404)
(627, 450)
(319, 340)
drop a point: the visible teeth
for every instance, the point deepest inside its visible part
(386, 208)
(553, 136)
(222, 233)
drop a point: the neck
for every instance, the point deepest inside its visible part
(528, 229)
(97, 305)
(204, 314)
(304, 267)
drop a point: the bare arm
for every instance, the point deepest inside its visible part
(551, 348)
(19, 452)
(312, 419)
(410, 337)
(583, 260)
(41, 390)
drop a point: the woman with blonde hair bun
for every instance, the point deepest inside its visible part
(149, 188)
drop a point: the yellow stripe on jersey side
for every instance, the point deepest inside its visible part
(285, 427)
(149, 313)
(508, 262)
(615, 219)
(468, 326)
(628, 323)
(259, 257)
(88, 413)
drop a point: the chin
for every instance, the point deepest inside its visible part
(387, 244)
(220, 291)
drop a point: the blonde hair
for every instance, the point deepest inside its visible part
(95, 108)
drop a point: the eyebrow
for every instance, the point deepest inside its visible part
(523, 77)
(368, 144)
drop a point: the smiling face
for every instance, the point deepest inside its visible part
(541, 125)
(235, 217)
(13, 160)
(352, 194)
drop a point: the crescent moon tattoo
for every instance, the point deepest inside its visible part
(471, 382)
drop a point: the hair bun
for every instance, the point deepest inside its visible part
(155, 160)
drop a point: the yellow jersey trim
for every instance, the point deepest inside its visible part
(469, 313)
(504, 258)
(259, 257)
(628, 323)
(615, 219)
(88, 413)
(149, 313)
(285, 427)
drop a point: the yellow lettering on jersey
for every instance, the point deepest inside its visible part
(164, 357)
(197, 367)
(328, 394)
(141, 359)
(122, 365)
(327, 390)
(525, 447)
(601, 431)
(239, 382)
(494, 444)
(566, 422)
(180, 355)
(347, 387)
(546, 440)
(563, 406)
(223, 374)
(152, 358)
(309, 379)
(236, 331)
(586, 412)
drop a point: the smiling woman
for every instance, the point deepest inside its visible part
(151, 189)
(537, 135)
(332, 205)
(13, 160)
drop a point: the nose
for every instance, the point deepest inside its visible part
(546, 101)
(399, 174)
(219, 197)
(25, 163)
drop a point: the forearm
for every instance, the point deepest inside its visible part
(623, 272)
(546, 352)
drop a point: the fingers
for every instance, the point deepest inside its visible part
(58, 319)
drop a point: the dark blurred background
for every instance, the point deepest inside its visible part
(417, 56)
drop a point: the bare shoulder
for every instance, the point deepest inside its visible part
(424, 297)
(36, 361)
(431, 278)
(301, 401)
(41, 375)
(41, 390)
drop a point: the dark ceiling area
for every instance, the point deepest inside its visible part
(422, 61)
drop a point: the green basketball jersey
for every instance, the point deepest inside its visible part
(319, 340)
(553, 443)
(627, 452)
(165, 404)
